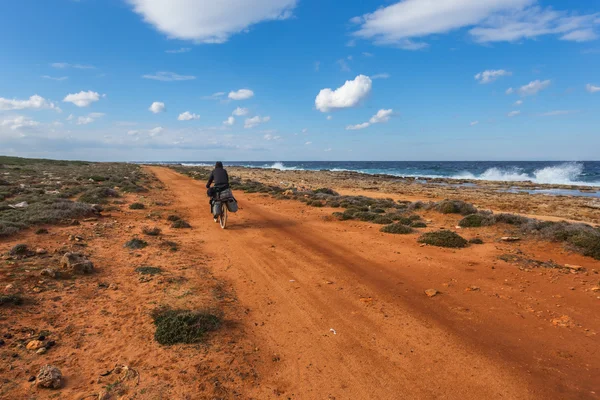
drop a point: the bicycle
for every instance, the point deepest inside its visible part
(223, 202)
(222, 217)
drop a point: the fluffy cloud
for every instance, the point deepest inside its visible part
(591, 88)
(407, 22)
(240, 112)
(155, 131)
(510, 91)
(382, 116)
(157, 107)
(35, 102)
(229, 121)
(255, 121)
(82, 99)
(18, 122)
(513, 113)
(242, 94)
(165, 76)
(269, 137)
(187, 116)
(491, 75)
(518, 102)
(88, 119)
(208, 21)
(308, 143)
(348, 95)
(533, 87)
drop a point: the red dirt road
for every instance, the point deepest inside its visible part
(337, 310)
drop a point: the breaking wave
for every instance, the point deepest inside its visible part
(563, 174)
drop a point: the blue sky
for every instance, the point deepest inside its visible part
(310, 80)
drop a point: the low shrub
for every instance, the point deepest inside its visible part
(476, 221)
(328, 191)
(418, 224)
(172, 246)
(149, 270)
(173, 218)
(10, 300)
(41, 231)
(455, 207)
(136, 244)
(155, 231)
(382, 220)
(511, 219)
(397, 228)
(184, 326)
(443, 239)
(315, 203)
(180, 224)
(97, 195)
(476, 241)
(137, 206)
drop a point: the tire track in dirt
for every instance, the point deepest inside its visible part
(299, 277)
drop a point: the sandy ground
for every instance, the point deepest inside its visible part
(315, 309)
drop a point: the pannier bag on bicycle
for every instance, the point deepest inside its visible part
(216, 208)
(232, 205)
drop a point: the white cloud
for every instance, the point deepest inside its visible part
(229, 121)
(591, 88)
(557, 112)
(406, 23)
(382, 116)
(70, 117)
(157, 107)
(513, 113)
(133, 132)
(64, 65)
(304, 130)
(35, 102)
(57, 78)
(240, 112)
(208, 21)
(343, 65)
(269, 137)
(510, 90)
(82, 99)
(491, 75)
(155, 131)
(87, 119)
(358, 126)
(214, 96)
(179, 51)
(18, 122)
(242, 94)
(348, 95)
(165, 76)
(533, 87)
(381, 76)
(329, 118)
(518, 102)
(308, 143)
(317, 65)
(187, 116)
(255, 121)
(474, 123)
(367, 54)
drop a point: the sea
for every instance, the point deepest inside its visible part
(580, 173)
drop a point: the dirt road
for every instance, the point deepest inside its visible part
(338, 310)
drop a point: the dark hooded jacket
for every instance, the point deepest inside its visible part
(220, 178)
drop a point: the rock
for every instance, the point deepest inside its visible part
(472, 289)
(113, 286)
(595, 289)
(31, 378)
(49, 272)
(77, 263)
(22, 204)
(431, 292)
(41, 252)
(574, 267)
(103, 395)
(41, 350)
(510, 239)
(2, 342)
(10, 289)
(49, 377)
(564, 321)
(35, 344)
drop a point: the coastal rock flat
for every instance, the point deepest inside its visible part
(338, 309)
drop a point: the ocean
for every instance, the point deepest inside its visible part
(583, 173)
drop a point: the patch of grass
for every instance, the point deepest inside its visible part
(315, 203)
(382, 220)
(173, 218)
(397, 229)
(455, 207)
(511, 219)
(476, 221)
(443, 239)
(10, 300)
(137, 206)
(476, 241)
(328, 191)
(41, 231)
(172, 246)
(98, 195)
(184, 326)
(136, 244)
(149, 270)
(19, 250)
(155, 231)
(418, 224)
(180, 224)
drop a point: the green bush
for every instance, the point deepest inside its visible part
(136, 244)
(137, 206)
(97, 195)
(418, 224)
(173, 218)
(397, 228)
(180, 224)
(155, 231)
(476, 221)
(443, 239)
(455, 207)
(184, 326)
(382, 220)
(476, 241)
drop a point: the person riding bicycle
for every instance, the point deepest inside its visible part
(220, 178)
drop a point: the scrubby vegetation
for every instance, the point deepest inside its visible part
(137, 206)
(37, 191)
(155, 231)
(443, 239)
(455, 207)
(149, 270)
(397, 228)
(11, 300)
(184, 326)
(136, 244)
(180, 224)
(476, 241)
(476, 220)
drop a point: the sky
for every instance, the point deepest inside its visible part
(277, 80)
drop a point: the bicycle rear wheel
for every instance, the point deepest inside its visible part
(223, 217)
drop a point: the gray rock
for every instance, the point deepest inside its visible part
(49, 377)
(77, 263)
